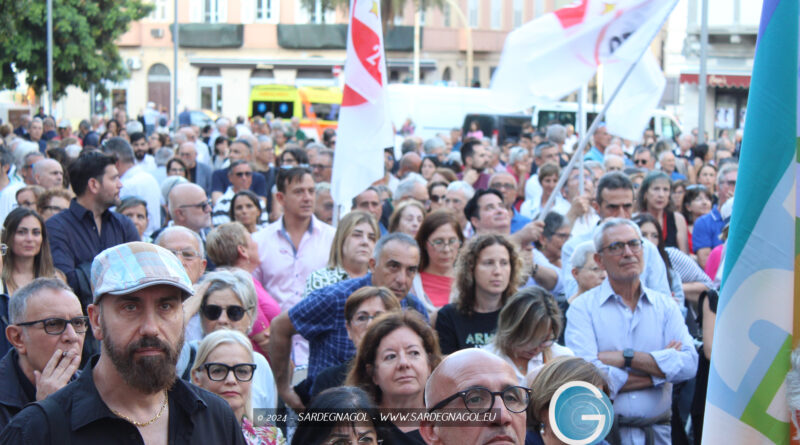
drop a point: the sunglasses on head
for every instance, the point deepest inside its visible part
(213, 312)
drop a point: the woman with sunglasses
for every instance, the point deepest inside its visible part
(26, 250)
(527, 329)
(437, 191)
(228, 301)
(439, 238)
(225, 366)
(231, 246)
(394, 360)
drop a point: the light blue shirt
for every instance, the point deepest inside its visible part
(594, 155)
(599, 320)
(654, 273)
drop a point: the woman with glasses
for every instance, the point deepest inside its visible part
(225, 366)
(176, 167)
(360, 309)
(527, 329)
(26, 250)
(228, 302)
(344, 399)
(654, 198)
(53, 201)
(439, 239)
(437, 191)
(351, 250)
(544, 386)
(407, 217)
(394, 360)
(230, 245)
(487, 275)
(247, 208)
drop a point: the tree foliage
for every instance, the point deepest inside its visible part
(84, 41)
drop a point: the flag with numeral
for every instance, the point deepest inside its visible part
(364, 125)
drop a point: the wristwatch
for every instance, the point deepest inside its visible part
(627, 354)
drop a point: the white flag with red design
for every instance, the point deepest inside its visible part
(554, 55)
(364, 125)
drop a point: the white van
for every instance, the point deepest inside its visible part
(665, 125)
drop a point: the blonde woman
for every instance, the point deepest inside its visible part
(527, 330)
(225, 366)
(353, 243)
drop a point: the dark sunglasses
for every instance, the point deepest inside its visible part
(213, 312)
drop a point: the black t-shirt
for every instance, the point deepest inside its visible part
(457, 331)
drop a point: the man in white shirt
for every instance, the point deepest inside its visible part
(136, 181)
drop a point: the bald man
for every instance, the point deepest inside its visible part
(48, 173)
(471, 369)
(189, 207)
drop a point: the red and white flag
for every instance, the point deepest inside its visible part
(554, 55)
(364, 125)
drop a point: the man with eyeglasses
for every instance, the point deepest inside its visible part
(322, 168)
(323, 202)
(189, 207)
(614, 199)
(130, 392)
(46, 330)
(506, 184)
(241, 150)
(643, 158)
(644, 346)
(136, 181)
(240, 175)
(477, 382)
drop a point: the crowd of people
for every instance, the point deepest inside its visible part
(139, 265)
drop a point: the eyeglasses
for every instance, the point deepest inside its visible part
(363, 440)
(480, 400)
(55, 326)
(364, 318)
(55, 209)
(3, 249)
(441, 244)
(563, 236)
(640, 161)
(730, 183)
(243, 174)
(501, 186)
(219, 371)
(201, 205)
(186, 254)
(319, 166)
(213, 312)
(437, 198)
(617, 248)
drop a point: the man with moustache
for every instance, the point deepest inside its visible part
(130, 393)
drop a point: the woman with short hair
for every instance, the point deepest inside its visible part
(394, 360)
(439, 239)
(407, 217)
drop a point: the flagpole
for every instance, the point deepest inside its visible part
(578, 155)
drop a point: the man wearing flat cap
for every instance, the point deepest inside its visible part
(129, 394)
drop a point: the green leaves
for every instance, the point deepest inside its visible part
(84, 32)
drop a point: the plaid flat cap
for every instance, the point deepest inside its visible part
(130, 267)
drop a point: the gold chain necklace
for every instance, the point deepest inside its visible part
(141, 424)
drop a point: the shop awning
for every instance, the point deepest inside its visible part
(719, 80)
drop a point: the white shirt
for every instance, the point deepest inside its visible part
(8, 198)
(138, 182)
